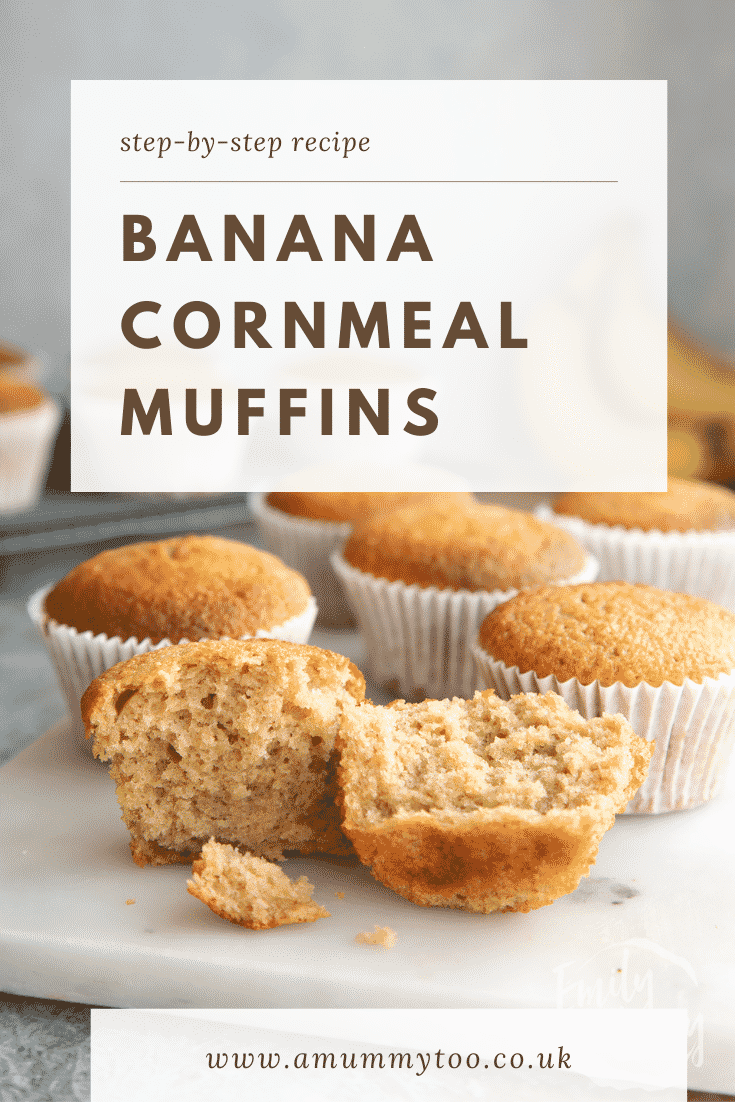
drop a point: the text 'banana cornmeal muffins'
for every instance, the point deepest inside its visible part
(665, 661)
(422, 578)
(144, 596)
(683, 539)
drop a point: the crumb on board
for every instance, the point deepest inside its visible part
(339, 895)
(128, 902)
(381, 935)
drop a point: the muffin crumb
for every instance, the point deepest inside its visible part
(250, 891)
(381, 935)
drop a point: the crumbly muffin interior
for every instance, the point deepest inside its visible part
(226, 740)
(250, 891)
(453, 758)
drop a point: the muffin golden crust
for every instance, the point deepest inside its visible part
(686, 506)
(475, 547)
(250, 891)
(16, 396)
(611, 632)
(341, 508)
(226, 740)
(483, 804)
(190, 587)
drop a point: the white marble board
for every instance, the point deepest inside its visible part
(654, 925)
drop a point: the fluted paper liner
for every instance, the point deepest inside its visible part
(699, 563)
(26, 439)
(419, 639)
(80, 656)
(306, 545)
(693, 726)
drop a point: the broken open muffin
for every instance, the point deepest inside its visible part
(250, 891)
(484, 804)
(224, 739)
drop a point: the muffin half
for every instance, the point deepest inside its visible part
(480, 804)
(226, 740)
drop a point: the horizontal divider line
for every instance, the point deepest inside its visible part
(368, 181)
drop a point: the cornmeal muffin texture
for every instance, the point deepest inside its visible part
(226, 740)
(249, 891)
(686, 506)
(349, 508)
(190, 587)
(483, 804)
(473, 547)
(611, 632)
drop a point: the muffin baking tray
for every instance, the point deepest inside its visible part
(70, 520)
(651, 927)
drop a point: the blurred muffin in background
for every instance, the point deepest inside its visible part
(422, 578)
(29, 419)
(304, 529)
(701, 410)
(19, 363)
(682, 540)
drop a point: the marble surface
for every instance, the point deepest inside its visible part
(653, 926)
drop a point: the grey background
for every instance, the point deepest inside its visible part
(43, 45)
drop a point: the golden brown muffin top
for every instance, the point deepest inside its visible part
(15, 396)
(349, 507)
(190, 587)
(686, 506)
(611, 631)
(471, 547)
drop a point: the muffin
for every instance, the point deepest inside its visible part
(305, 528)
(666, 661)
(224, 739)
(480, 804)
(683, 539)
(28, 423)
(15, 361)
(422, 578)
(250, 891)
(147, 595)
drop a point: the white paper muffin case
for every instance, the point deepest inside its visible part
(699, 563)
(419, 639)
(306, 545)
(80, 656)
(26, 440)
(693, 726)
